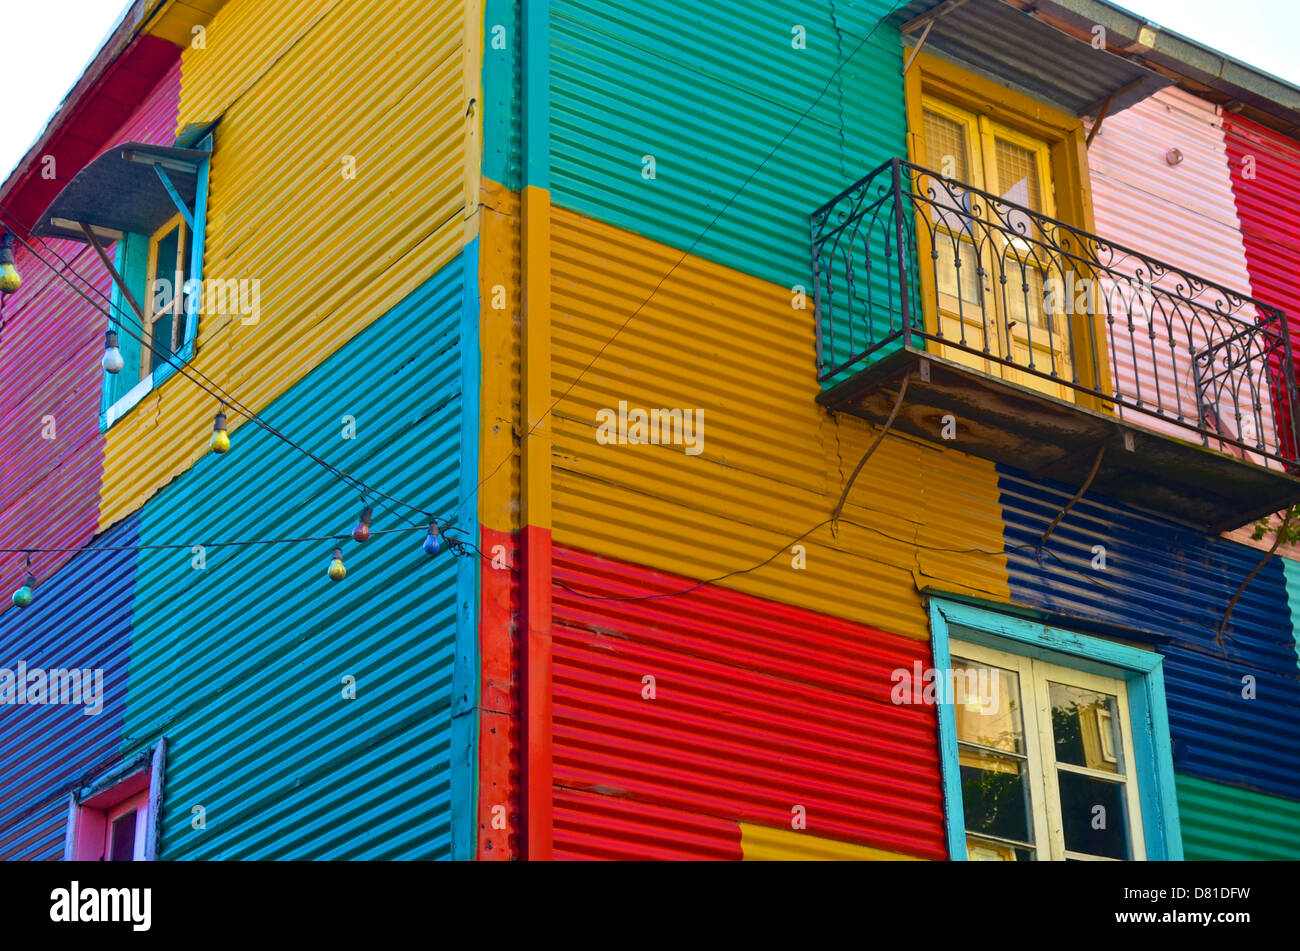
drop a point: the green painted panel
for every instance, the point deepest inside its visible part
(1222, 822)
(708, 89)
(1292, 572)
(241, 664)
(502, 43)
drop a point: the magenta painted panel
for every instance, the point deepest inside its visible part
(1265, 168)
(51, 339)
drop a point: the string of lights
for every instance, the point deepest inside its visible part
(220, 441)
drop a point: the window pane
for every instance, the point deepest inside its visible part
(123, 841)
(995, 795)
(1093, 815)
(1085, 725)
(987, 704)
(162, 288)
(945, 145)
(1018, 174)
(983, 850)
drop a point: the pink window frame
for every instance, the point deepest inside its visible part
(136, 784)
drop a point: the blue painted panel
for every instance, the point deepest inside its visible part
(80, 618)
(502, 154)
(241, 664)
(1173, 581)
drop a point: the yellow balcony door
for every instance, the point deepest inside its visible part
(998, 289)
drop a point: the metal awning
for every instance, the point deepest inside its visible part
(1005, 44)
(133, 187)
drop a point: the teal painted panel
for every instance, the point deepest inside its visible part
(709, 89)
(502, 155)
(1291, 570)
(1223, 823)
(240, 664)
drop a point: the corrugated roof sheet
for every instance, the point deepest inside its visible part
(1008, 45)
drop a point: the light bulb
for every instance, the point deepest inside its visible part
(337, 570)
(220, 441)
(23, 596)
(362, 532)
(433, 540)
(112, 362)
(9, 277)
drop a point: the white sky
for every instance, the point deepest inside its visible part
(49, 43)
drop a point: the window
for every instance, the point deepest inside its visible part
(991, 275)
(163, 270)
(1055, 745)
(114, 818)
(1040, 773)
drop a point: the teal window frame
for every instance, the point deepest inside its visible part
(1142, 672)
(131, 259)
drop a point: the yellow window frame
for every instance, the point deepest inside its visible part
(175, 223)
(1025, 121)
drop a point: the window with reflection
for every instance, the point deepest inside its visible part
(1045, 760)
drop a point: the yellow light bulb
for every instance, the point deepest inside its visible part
(220, 441)
(9, 279)
(337, 570)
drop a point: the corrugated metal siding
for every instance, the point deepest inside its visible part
(1221, 823)
(502, 150)
(764, 844)
(709, 89)
(1141, 201)
(240, 665)
(1174, 582)
(759, 708)
(51, 341)
(773, 462)
(298, 88)
(1291, 568)
(1268, 205)
(80, 618)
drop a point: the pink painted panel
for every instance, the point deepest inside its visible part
(1183, 214)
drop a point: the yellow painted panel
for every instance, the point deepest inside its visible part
(764, 844)
(330, 252)
(176, 21)
(773, 462)
(499, 328)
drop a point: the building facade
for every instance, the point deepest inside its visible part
(815, 431)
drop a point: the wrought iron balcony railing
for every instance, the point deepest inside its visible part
(906, 258)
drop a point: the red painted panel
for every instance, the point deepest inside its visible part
(1265, 169)
(594, 826)
(51, 341)
(498, 779)
(759, 707)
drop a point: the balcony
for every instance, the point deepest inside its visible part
(1051, 348)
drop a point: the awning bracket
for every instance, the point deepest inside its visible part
(926, 20)
(185, 211)
(112, 269)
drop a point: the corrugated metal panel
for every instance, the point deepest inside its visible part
(50, 344)
(992, 37)
(502, 151)
(709, 89)
(773, 462)
(1221, 823)
(240, 665)
(594, 826)
(758, 708)
(1174, 582)
(1141, 201)
(1291, 569)
(80, 618)
(1265, 168)
(298, 90)
(764, 844)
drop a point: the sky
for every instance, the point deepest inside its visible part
(50, 42)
